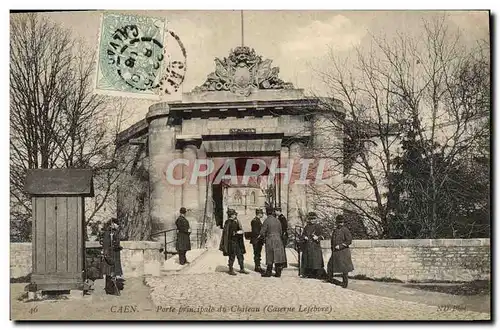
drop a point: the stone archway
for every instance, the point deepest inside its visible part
(263, 119)
(223, 194)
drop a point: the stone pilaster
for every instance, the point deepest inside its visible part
(190, 193)
(177, 189)
(203, 192)
(296, 192)
(284, 155)
(161, 153)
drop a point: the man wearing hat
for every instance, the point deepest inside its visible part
(111, 262)
(340, 261)
(284, 231)
(312, 257)
(183, 243)
(232, 244)
(275, 253)
(256, 242)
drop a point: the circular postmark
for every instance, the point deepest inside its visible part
(134, 56)
(175, 70)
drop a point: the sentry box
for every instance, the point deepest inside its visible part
(58, 255)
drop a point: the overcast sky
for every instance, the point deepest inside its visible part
(294, 40)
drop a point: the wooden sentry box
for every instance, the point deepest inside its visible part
(58, 255)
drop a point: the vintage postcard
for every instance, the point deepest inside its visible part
(250, 165)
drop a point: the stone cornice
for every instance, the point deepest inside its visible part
(255, 104)
(136, 130)
(291, 102)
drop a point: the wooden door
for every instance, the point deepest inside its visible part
(58, 246)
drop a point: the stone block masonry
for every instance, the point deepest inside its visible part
(20, 259)
(420, 259)
(139, 258)
(405, 259)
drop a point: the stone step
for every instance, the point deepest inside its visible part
(172, 266)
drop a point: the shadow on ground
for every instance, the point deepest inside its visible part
(459, 289)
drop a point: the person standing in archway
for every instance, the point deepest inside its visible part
(183, 242)
(232, 244)
(256, 242)
(284, 232)
(275, 253)
(340, 261)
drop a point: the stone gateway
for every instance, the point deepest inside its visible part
(242, 112)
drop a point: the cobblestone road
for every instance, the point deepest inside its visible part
(204, 291)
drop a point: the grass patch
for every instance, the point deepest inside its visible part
(23, 296)
(46, 295)
(388, 279)
(437, 281)
(479, 287)
(459, 288)
(376, 279)
(361, 277)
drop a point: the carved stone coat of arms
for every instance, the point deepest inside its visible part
(242, 72)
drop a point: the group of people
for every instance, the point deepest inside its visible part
(312, 264)
(272, 232)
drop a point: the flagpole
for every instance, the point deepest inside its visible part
(242, 35)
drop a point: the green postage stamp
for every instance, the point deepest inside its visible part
(132, 55)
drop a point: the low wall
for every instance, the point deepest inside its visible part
(420, 259)
(403, 259)
(20, 259)
(138, 258)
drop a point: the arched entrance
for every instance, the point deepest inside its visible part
(266, 119)
(245, 196)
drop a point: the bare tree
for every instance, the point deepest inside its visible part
(435, 88)
(369, 128)
(56, 120)
(132, 192)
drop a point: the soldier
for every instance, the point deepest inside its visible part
(116, 228)
(284, 232)
(183, 243)
(111, 262)
(256, 242)
(312, 262)
(275, 253)
(284, 225)
(232, 244)
(340, 261)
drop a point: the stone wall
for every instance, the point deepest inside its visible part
(138, 258)
(420, 259)
(20, 259)
(405, 260)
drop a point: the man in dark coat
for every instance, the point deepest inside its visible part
(232, 244)
(183, 242)
(284, 232)
(340, 261)
(116, 232)
(111, 261)
(275, 253)
(256, 242)
(312, 263)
